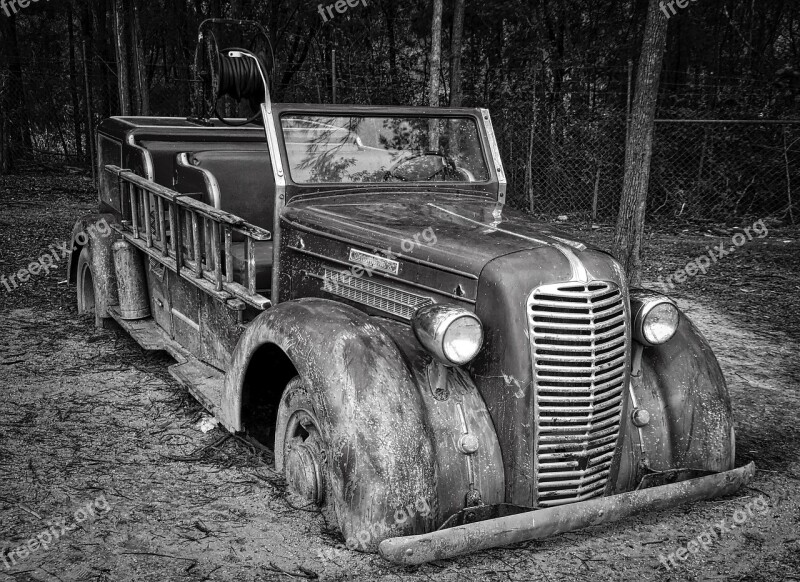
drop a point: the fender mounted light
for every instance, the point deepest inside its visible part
(451, 334)
(655, 317)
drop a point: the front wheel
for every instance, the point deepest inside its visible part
(363, 470)
(301, 453)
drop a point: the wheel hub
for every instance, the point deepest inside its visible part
(303, 471)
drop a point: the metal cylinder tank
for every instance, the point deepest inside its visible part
(131, 281)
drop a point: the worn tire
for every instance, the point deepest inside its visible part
(86, 290)
(301, 452)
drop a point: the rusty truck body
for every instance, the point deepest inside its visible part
(347, 284)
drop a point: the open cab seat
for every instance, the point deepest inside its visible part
(225, 180)
(263, 255)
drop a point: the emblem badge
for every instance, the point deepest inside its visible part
(374, 262)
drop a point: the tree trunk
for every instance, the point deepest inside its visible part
(141, 91)
(104, 52)
(389, 15)
(435, 60)
(456, 94)
(73, 85)
(16, 130)
(294, 62)
(436, 54)
(86, 34)
(638, 151)
(89, 115)
(5, 149)
(123, 87)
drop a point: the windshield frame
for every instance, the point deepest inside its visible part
(488, 187)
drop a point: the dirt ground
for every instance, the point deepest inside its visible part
(87, 417)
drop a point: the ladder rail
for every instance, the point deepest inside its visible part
(191, 238)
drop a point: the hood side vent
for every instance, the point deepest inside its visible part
(377, 295)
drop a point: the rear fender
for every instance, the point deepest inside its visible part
(393, 445)
(94, 231)
(690, 426)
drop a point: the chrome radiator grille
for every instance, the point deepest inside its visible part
(368, 292)
(579, 350)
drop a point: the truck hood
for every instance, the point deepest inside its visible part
(449, 230)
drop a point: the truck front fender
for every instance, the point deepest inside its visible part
(458, 421)
(688, 411)
(392, 443)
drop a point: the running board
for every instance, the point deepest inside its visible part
(204, 382)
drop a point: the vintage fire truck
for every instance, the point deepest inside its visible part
(345, 284)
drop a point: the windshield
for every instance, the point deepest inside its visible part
(347, 149)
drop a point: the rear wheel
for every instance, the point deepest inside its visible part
(87, 303)
(301, 453)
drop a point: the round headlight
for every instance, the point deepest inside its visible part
(462, 339)
(451, 334)
(657, 322)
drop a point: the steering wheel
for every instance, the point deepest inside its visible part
(449, 165)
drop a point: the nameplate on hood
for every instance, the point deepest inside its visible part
(374, 262)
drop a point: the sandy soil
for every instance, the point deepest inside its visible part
(86, 416)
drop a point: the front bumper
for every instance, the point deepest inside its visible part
(531, 525)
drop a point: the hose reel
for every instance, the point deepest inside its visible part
(235, 72)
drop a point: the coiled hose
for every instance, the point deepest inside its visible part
(239, 78)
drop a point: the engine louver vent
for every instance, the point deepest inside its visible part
(367, 292)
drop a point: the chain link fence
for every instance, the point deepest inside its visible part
(567, 161)
(725, 170)
(701, 170)
(569, 166)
